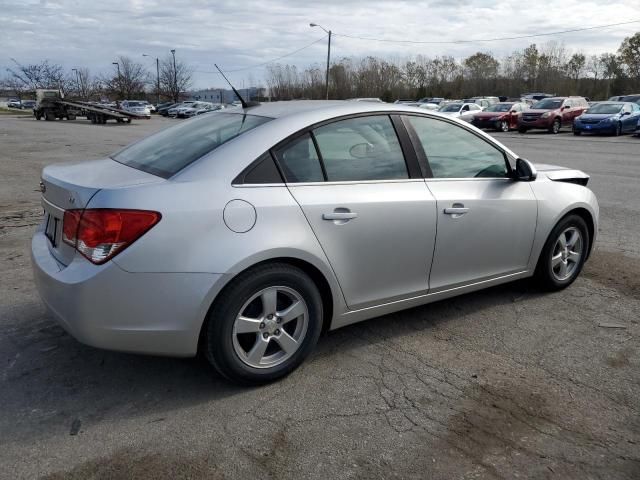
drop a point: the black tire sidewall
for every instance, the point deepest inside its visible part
(218, 342)
(544, 271)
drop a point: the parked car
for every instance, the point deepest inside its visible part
(462, 110)
(27, 104)
(552, 114)
(200, 109)
(631, 98)
(14, 103)
(371, 99)
(501, 116)
(432, 100)
(484, 102)
(174, 244)
(616, 98)
(139, 107)
(173, 111)
(614, 118)
(164, 110)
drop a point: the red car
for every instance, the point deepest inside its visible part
(552, 113)
(501, 116)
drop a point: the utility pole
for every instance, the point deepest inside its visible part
(119, 79)
(328, 57)
(175, 77)
(157, 77)
(78, 82)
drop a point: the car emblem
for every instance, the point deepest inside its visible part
(43, 187)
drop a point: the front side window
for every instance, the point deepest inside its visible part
(169, 151)
(454, 152)
(363, 148)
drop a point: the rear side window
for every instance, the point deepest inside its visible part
(169, 151)
(299, 160)
(363, 148)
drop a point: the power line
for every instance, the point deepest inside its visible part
(441, 42)
(267, 62)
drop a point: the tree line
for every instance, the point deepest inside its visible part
(127, 79)
(550, 68)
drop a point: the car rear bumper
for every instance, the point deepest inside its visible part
(106, 307)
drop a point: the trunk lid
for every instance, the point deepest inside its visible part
(72, 185)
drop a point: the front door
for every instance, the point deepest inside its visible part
(486, 220)
(376, 225)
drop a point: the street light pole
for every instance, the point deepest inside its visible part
(157, 76)
(119, 78)
(328, 56)
(175, 76)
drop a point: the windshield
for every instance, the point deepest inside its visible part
(136, 104)
(169, 151)
(548, 104)
(499, 107)
(609, 108)
(452, 107)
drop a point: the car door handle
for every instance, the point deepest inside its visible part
(339, 216)
(456, 210)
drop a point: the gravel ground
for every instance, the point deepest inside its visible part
(505, 383)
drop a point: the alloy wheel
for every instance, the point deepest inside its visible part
(566, 254)
(504, 126)
(270, 327)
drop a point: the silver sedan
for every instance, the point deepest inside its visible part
(245, 233)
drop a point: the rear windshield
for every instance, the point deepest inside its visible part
(169, 151)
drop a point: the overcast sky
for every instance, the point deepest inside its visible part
(238, 34)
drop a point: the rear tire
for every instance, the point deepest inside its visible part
(263, 351)
(49, 116)
(564, 253)
(522, 129)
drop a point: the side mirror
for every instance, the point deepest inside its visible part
(525, 171)
(626, 113)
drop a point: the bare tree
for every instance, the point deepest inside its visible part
(175, 79)
(38, 75)
(127, 79)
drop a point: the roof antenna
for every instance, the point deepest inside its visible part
(242, 101)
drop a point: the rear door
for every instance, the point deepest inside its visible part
(486, 220)
(368, 207)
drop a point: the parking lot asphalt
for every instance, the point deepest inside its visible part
(509, 382)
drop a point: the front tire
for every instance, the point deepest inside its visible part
(522, 129)
(555, 126)
(564, 253)
(618, 130)
(264, 324)
(504, 126)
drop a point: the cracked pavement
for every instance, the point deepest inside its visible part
(504, 383)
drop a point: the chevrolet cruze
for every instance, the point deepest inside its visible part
(245, 233)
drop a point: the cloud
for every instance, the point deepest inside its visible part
(237, 35)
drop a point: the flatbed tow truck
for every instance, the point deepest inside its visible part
(51, 105)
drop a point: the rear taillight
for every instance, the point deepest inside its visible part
(101, 233)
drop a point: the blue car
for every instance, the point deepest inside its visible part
(614, 118)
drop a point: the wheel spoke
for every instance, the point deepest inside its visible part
(573, 238)
(287, 342)
(556, 259)
(269, 300)
(294, 311)
(563, 269)
(573, 256)
(563, 240)
(247, 325)
(257, 351)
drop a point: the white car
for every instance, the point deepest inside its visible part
(462, 110)
(191, 109)
(193, 112)
(173, 112)
(139, 107)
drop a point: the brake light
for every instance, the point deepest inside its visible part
(99, 234)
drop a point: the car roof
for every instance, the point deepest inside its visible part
(328, 108)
